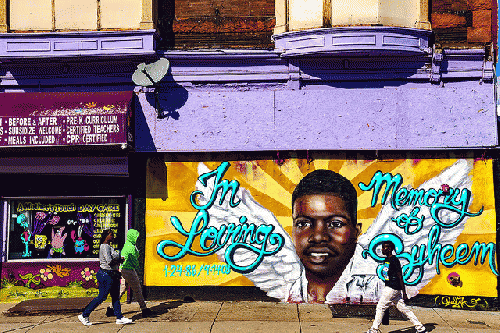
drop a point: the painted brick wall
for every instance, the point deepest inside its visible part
(463, 22)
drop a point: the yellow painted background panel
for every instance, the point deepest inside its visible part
(121, 14)
(31, 15)
(76, 14)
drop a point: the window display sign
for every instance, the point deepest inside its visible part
(311, 230)
(63, 228)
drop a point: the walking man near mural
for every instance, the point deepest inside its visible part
(394, 292)
(325, 231)
(130, 255)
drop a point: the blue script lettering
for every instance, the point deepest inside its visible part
(220, 184)
(430, 198)
(422, 254)
(410, 224)
(242, 235)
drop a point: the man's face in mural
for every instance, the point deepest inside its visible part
(324, 233)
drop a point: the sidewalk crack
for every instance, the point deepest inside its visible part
(442, 318)
(298, 317)
(213, 322)
(29, 327)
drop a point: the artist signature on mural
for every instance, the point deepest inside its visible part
(460, 302)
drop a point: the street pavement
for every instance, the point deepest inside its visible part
(244, 316)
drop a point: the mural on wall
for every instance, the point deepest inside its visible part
(48, 280)
(311, 231)
(46, 233)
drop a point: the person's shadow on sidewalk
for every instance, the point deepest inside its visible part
(159, 309)
(429, 327)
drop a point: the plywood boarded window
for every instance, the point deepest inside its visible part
(464, 23)
(192, 24)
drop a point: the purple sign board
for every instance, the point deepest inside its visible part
(54, 119)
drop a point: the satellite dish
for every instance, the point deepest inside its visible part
(151, 74)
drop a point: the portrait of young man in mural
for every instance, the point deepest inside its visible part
(325, 228)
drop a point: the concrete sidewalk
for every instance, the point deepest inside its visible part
(245, 316)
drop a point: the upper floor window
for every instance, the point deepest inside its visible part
(293, 15)
(188, 24)
(64, 15)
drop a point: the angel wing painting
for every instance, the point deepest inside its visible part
(327, 257)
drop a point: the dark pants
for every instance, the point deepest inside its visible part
(106, 286)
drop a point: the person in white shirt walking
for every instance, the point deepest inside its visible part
(394, 292)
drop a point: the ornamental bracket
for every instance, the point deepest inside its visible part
(437, 58)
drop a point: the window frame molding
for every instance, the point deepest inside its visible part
(282, 8)
(4, 15)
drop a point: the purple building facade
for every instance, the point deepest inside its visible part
(371, 93)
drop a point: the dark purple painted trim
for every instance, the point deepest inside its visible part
(130, 212)
(471, 52)
(353, 41)
(225, 54)
(197, 69)
(191, 68)
(79, 43)
(3, 231)
(94, 165)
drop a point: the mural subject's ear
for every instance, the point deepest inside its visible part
(358, 229)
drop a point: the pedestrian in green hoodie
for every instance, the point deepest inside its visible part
(130, 255)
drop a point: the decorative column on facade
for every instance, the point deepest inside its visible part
(3, 16)
(424, 23)
(281, 13)
(148, 14)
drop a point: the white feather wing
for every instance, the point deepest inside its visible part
(456, 176)
(280, 275)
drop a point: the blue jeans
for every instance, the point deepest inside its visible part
(106, 286)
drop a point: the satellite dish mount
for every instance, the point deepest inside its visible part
(149, 76)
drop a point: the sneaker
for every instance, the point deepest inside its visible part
(85, 321)
(109, 312)
(372, 330)
(124, 321)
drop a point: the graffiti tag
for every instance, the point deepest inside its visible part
(460, 302)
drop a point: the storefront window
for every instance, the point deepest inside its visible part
(42, 228)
